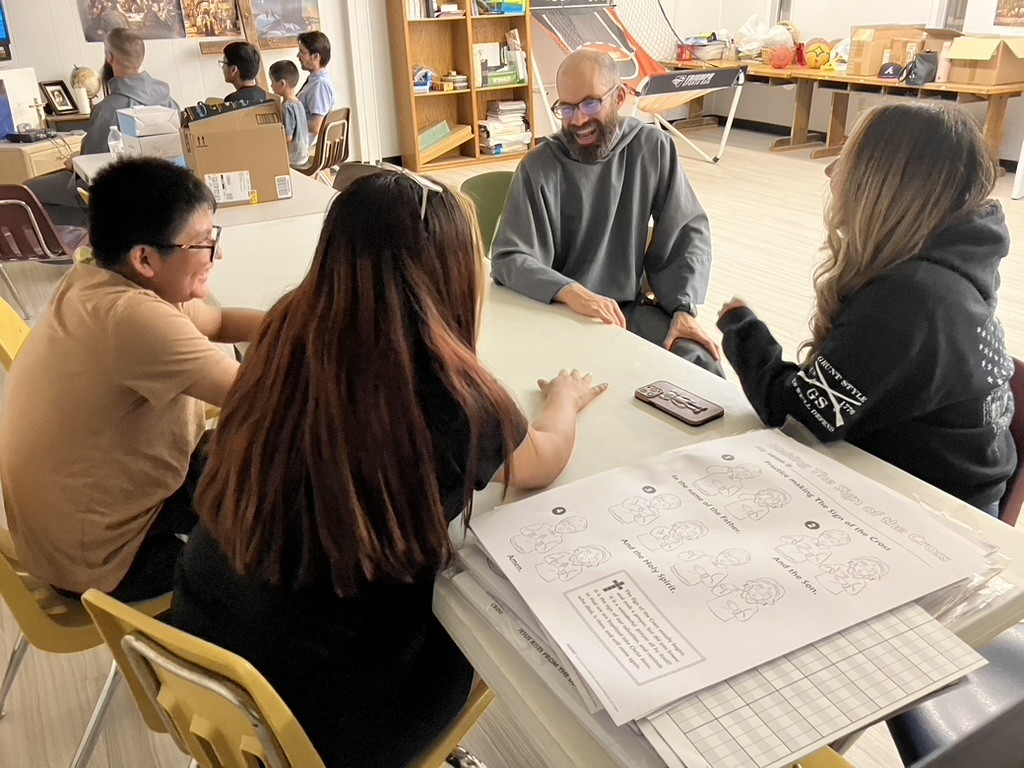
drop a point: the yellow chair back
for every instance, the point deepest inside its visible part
(13, 331)
(215, 705)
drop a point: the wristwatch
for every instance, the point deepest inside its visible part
(686, 307)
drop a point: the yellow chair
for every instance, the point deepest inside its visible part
(216, 706)
(55, 624)
(13, 331)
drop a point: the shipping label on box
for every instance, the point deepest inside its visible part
(148, 121)
(231, 187)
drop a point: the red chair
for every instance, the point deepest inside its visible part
(28, 234)
(1013, 499)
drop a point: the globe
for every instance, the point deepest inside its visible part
(83, 77)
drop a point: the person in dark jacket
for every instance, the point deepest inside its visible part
(906, 357)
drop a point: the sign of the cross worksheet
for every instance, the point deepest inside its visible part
(664, 577)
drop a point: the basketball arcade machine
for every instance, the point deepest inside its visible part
(595, 24)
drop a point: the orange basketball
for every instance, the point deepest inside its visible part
(782, 56)
(816, 52)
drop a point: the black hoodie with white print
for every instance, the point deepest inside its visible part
(914, 371)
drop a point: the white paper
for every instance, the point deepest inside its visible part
(665, 577)
(781, 711)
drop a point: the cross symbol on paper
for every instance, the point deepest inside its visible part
(616, 584)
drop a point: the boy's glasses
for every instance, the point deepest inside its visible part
(425, 184)
(213, 247)
(588, 107)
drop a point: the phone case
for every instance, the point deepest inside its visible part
(679, 403)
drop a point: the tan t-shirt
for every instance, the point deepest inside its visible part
(95, 429)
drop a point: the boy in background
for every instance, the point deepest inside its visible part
(284, 76)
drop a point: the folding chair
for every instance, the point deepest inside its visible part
(28, 234)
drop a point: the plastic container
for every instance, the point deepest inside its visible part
(115, 143)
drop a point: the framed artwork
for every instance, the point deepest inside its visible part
(279, 22)
(1009, 13)
(212, 18)
(58, 97)
(149, 19)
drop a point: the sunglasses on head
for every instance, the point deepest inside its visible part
(425, 184)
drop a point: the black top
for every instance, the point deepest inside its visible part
(247, 93)
(914, 371)
(373, 679)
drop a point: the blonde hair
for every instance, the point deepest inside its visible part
(907, 171)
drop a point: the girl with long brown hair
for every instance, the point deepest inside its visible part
(361, 422)
(906, 357)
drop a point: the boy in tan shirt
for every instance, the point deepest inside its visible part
(104, 408)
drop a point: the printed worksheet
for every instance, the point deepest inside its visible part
(659, 579)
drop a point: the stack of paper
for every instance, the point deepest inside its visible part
(744, 601)
(505, 131)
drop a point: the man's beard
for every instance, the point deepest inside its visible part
(607, 130)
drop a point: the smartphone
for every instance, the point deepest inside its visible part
(679, 403)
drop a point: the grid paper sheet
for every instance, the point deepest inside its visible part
(787, 708)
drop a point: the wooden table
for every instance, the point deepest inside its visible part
(20, 162)
(843, 85)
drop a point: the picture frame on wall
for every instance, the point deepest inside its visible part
(58, 97)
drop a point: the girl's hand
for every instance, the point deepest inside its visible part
(579, 387)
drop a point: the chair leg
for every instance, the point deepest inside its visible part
(463, 758)
(92, 730)
(17, 656)
(14, 292)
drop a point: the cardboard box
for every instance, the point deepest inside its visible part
(903, 49)
(986, 60)
(242, 155)
(869, 44)
(166, 146)
(148, 121)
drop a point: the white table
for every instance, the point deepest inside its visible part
(309, 196)
(523, 340)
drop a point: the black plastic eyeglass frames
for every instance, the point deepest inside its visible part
(212, 247)
(589, 107)
(425, 184)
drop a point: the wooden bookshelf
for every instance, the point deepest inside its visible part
(445, 45)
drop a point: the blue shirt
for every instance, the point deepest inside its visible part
(296, 130)
(317, 95)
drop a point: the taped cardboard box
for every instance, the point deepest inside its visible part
(928, 39)
(869, 44)
(241, 155)
(986, 60)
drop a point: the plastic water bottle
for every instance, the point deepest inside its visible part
(115, 143)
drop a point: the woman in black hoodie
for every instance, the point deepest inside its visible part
(906, 357)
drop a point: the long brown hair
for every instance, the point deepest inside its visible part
(907, 171)
(323, 447)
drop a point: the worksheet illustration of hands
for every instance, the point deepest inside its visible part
(669, 537)
(726, 480)
(757, 505)
(568, 565)
(742, 602)
(811, 549)
(544, 537)
(852, 576)
(696, 567)
(643, 511)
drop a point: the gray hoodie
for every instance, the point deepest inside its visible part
(567, 221)
(137, 91)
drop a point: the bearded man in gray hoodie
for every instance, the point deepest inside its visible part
(575, 225)
(129, 87)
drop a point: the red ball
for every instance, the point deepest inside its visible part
(782, 56)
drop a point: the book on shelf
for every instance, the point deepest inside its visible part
(505, 149)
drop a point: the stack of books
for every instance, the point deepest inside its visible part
(506, 130)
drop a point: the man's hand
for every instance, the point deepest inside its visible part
(734, 303)
(589, 304)
(685, 326)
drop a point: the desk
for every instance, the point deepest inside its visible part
(842, 85)
(64, 123)
(522, 340)
(20, 162)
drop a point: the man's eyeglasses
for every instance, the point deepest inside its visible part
(426, 185)
(589, 107)
(222, 62)
(212, 247)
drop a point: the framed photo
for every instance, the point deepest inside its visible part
(58, 97)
